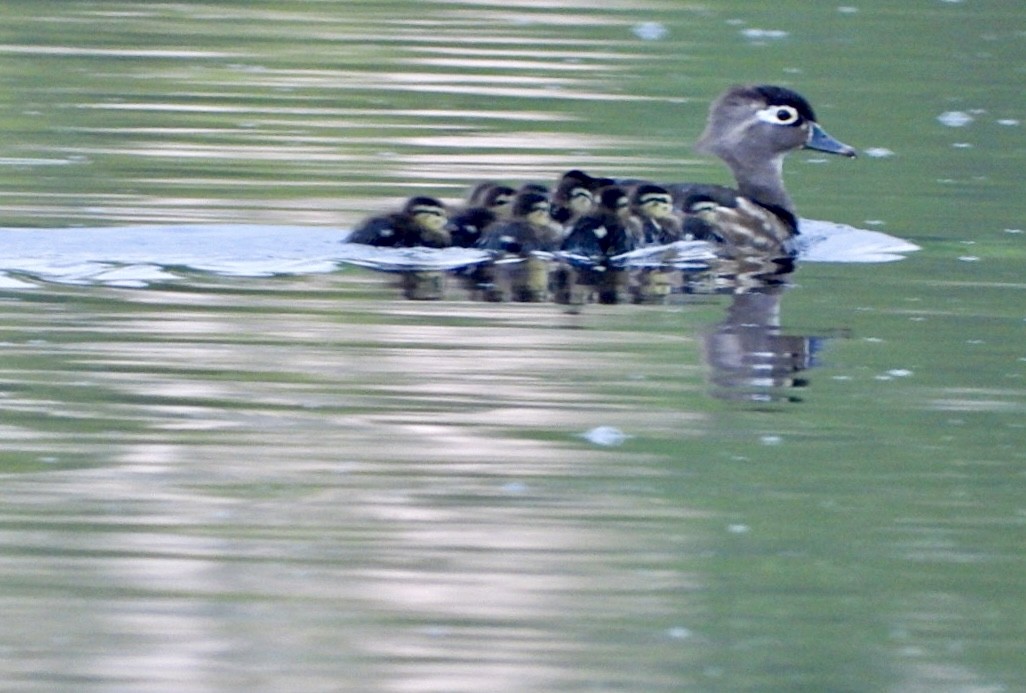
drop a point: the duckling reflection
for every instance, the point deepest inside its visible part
(749, 358)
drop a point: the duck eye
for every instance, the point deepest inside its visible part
(779, 115)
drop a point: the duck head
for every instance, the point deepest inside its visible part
(753, 127)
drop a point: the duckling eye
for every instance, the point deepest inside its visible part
(655, 199)
(779, 115)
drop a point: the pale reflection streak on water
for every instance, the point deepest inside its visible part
(413, 472)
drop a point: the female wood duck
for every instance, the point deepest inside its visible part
(421, 222)
(529, 228)
(752, 128)
(487, 203)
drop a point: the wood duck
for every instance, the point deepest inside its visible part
(610, 230)
(751, 128)
(486, 204)
(529, 228)
(421, 222)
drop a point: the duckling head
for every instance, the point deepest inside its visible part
(476, 196)
(498, 199)
(575, 196)
(614, 200)
(427, 213)
(533, 207)
(653, 201)
(589, 181)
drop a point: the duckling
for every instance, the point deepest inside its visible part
(752, 128)
(486, 204)
(529, 228)
(575, 196)
(653, 205)
(610, 230)
(421, 222)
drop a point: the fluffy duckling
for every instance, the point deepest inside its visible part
(486, 204)
(610, 230)
(752, 128)
(529, 228)
(421, 222)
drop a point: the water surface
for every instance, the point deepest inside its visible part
(221, 478)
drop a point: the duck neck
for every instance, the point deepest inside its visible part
(762, 181)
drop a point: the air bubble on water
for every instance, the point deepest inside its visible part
(650, 31)
(955, 119)
(606, 436)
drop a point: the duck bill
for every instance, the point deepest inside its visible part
(821, 141)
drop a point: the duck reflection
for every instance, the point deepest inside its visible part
(749, 358)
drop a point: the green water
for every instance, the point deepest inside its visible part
(306, 483)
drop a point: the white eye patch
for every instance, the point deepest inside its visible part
(778, 115)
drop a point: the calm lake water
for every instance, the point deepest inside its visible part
(285, 477)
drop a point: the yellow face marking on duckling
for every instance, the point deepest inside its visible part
(656, 206)
(779, 115)
(581, 200)
(501, 206)
(429, 218)
(539, 214)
